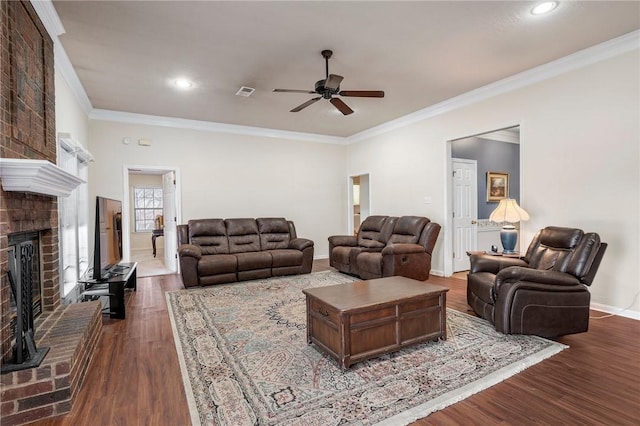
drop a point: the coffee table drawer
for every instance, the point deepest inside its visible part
(329, 313)
(370, 315)
(420, 304)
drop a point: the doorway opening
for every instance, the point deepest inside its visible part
(470, 204)
(151, 212)
(359, 201)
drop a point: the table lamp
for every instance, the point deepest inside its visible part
(508, 212)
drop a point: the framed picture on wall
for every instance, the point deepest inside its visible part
(497, 186)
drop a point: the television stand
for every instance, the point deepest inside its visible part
(114, 287)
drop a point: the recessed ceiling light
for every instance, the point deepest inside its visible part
(183, 83)
(545, 7)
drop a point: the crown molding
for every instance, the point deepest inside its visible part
(585, 57)
(52, 23)
(577, 60)
(49, 17)
(208, 126)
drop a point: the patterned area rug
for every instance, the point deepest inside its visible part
(245, 361)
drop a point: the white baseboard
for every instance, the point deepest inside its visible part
(437, 273)
(627, 313)
(322, 256)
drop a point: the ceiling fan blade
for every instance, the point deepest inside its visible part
(294, 91)
(363, 93)
(333, 82)
(306, 104)
(344, 108)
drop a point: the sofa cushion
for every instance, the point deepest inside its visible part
(286, 257)
(253, 260)
(370, 229)
(372, 244)
(215, 264)
(243, 235)
(553, 248)
(370, 265)
(343, 255)
(274, 233)
(210, 235)
(408, 229)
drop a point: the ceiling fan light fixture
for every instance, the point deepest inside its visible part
(329, 87)
(544, 7)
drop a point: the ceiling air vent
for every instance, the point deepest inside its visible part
(245, 91)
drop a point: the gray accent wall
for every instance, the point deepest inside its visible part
(492, 156)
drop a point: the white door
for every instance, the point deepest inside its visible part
(465, 211)
(170, 225)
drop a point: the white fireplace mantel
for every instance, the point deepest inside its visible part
(36, 176)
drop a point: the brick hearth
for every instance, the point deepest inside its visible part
(71, 332)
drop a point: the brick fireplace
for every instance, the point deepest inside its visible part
(27, 132)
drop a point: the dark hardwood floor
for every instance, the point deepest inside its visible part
(134, 378)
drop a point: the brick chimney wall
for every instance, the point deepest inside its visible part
(27, 127)
(27, 131)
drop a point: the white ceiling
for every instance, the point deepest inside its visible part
(126, 54)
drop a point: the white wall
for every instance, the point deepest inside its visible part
(70, 117)
(227, 175)
(580, 138)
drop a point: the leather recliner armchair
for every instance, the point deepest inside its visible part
(544, 293)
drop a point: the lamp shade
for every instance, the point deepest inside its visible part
(508, 211)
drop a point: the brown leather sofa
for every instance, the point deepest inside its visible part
(386, 246)
(543, 293)
(214, 251)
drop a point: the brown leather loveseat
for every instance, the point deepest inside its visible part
(386, 246)
(214, 251)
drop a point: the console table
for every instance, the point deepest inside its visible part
(155, 234)
(120, 276)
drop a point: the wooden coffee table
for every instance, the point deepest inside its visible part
(364, 319)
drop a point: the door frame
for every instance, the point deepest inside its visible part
(448, 206)
(364, 195)
(126, 207)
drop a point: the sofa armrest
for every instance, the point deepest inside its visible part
(539, 276)
(190, 250)
(343, 240)
(189, 257)
(394, 249)
(300, 243)
(493, 264)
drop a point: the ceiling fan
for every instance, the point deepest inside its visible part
(330, 87)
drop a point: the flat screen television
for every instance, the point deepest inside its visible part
(107, 238)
